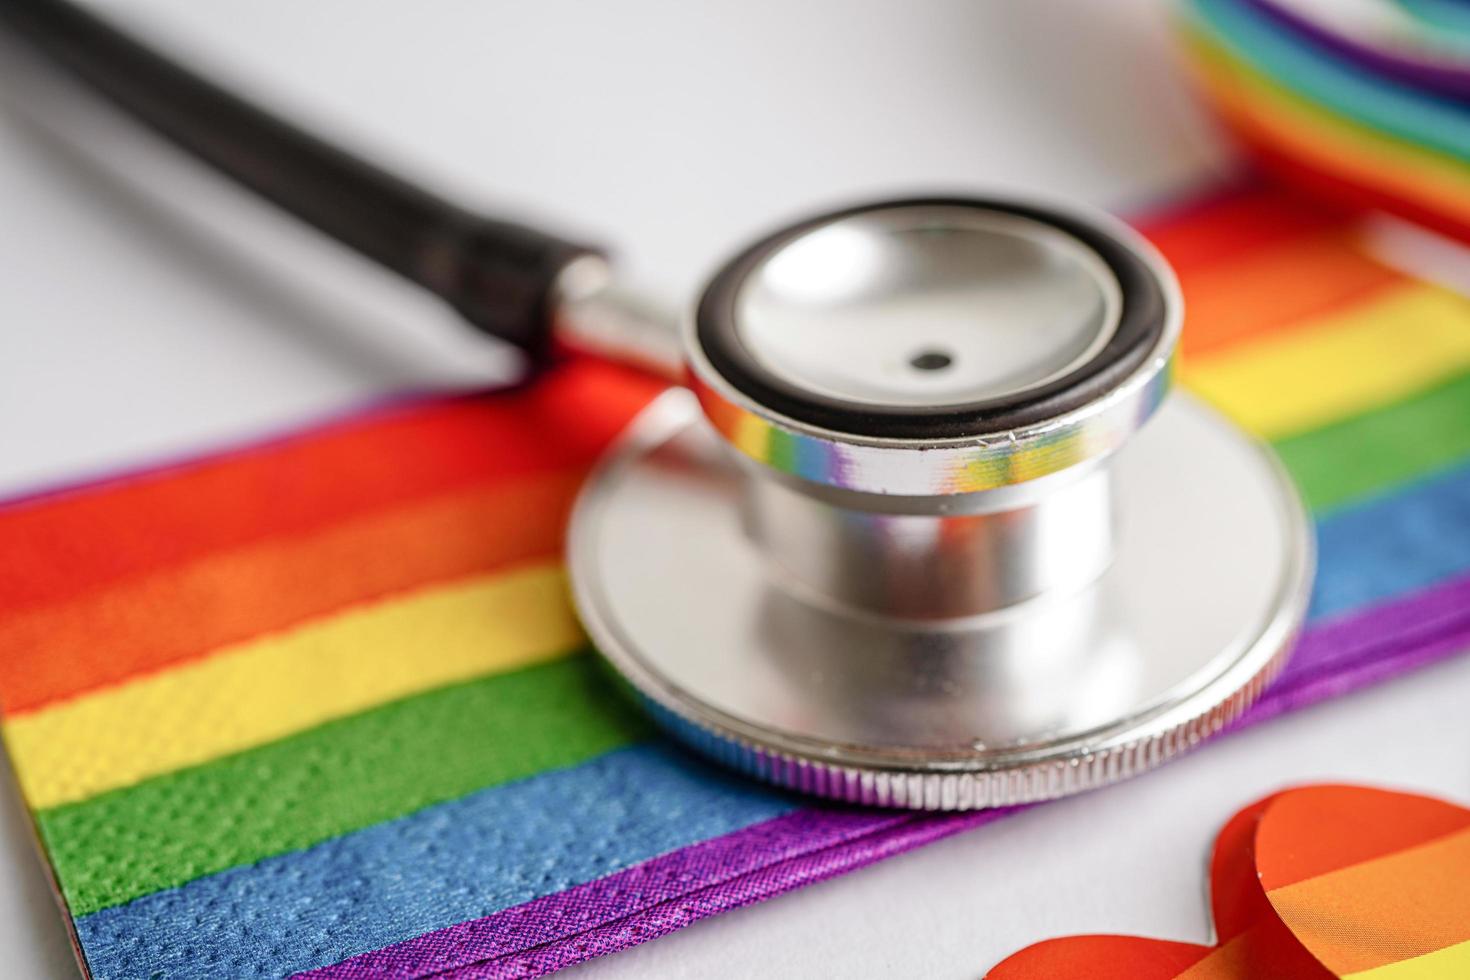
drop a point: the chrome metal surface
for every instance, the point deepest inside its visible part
(1209, 580)
(927, 305)
(1048, 305)
(945, 556)
(592, 313)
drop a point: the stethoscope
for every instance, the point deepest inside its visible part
(921, 525)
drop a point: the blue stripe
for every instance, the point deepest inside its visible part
(510, 844)
(1439, 125)
(1392, 545)
(443, 865)
(1449, 19)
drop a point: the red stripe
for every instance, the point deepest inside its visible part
(1236, 898)
(65, 545)
(1100, 958)
(1296, 843)
(1335, 190)
(1235, 224)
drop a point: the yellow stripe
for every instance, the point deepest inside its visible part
(1442, 964)
(1400, 342)
(244, 695)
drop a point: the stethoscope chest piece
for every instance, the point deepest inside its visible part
(925, 531)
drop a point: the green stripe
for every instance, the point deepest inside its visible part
(334, 779)
(1368, 453)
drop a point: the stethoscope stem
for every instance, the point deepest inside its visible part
(591, 313)
(505, 279)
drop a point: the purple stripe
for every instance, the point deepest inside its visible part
(759, 862)
(1346, 653)
(657, 896)
(905, 833)
(1441, 77)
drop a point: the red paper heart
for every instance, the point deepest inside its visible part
(1366, 879)
(1311, 883)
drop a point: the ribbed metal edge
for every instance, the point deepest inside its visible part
(954, 780)
(1025, 782)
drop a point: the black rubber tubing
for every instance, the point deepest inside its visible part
(498, 275)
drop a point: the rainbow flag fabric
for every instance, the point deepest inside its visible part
(320, 705)
(1368, 102)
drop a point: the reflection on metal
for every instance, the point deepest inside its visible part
(1051, 577)
(933, 565)
(592, 314)
(1048, 696)
(997, 304)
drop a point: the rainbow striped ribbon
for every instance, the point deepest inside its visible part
(1348, 118)
(320, 705)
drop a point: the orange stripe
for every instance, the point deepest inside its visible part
(156, 620)
(1232, 961)
(1452, 961)
(1393, 908)
(139, 525)
(1285, 283)
(1319, 829)
(1268, 950)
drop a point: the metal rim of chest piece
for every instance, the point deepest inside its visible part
(909, 541)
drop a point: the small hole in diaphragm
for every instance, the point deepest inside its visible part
(931, 360)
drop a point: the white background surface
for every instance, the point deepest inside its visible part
(672, 131)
